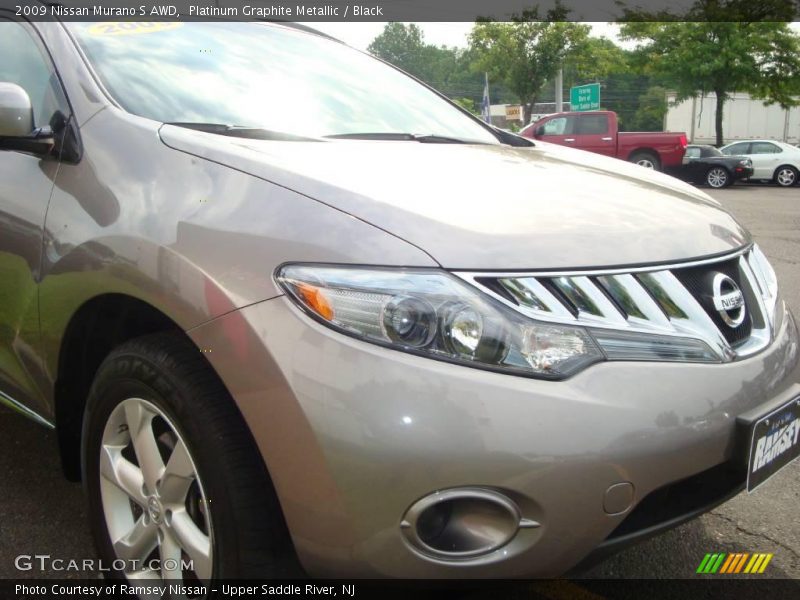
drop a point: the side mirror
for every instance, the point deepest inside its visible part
(539, 131)
(17, 130)
(16, 112)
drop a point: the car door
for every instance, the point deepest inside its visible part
(26, 182)
(737, 149)
(558, 130)
(766, 157)
(593, 134)
(692, 164)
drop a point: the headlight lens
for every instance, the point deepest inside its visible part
(435, 314)
(409, 321)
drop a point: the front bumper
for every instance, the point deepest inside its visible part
(742, 173)
(353, 434)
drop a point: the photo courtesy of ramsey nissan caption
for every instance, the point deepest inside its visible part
(383, 340)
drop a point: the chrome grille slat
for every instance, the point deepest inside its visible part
(607, 310)
(697, 323)
(760, 337)
(556, 310)
(756, 272)
(640, 300)
(653, 315)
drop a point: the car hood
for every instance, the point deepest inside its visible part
(487, 207)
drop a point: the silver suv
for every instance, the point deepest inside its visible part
(286, 306)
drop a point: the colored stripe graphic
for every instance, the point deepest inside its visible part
(749, 566)
(726, 565)
(757, 564)
(702, 567)
(711, 563)
(753, 564)
(766, 562)
(741, 562)
(720, 562)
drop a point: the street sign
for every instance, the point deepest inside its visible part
(585, 97)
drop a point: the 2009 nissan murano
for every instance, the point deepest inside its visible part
(285, 305)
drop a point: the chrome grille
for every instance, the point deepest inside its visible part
(673, 300)
(698, 281)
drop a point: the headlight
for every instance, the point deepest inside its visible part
(434, 314)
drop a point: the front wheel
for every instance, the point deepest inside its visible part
(785, 176)
(176, 488)
(648, 160)
(718, 177)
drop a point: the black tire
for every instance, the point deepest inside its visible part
(250, 538)
(718, 178)
(785, 176)
(646, 159)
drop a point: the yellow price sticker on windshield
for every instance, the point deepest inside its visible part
(131, 27)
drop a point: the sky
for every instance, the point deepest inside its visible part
(359, 35)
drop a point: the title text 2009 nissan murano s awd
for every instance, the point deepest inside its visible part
(285, 305)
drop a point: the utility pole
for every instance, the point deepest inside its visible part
(559, 90)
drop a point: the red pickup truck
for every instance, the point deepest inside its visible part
(596, 131)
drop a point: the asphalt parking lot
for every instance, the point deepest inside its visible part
(41, 513)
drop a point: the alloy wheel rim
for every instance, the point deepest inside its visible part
(155, 508)
(646, 163)
(786, 177)
(717, 178)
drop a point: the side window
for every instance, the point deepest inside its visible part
(740, 148)
(693, 152)
(559, 126)
(764, 148)
(593, 124)
(24, 64)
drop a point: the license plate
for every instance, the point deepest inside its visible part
(774, 443)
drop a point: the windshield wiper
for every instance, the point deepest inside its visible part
(250, 133)
(402, 137)
(257, 133)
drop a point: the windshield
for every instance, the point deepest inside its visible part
(712, 151)
(266, 76)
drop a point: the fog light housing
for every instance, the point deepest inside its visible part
(462, 523)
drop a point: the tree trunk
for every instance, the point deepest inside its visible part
(526, 113)
(721, 97)
(527, 110)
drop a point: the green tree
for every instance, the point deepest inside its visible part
(528, 51)
(449, 70)
(721, 56)
(467, 104)
(404, 47)
(595, 60)
(652, 107)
